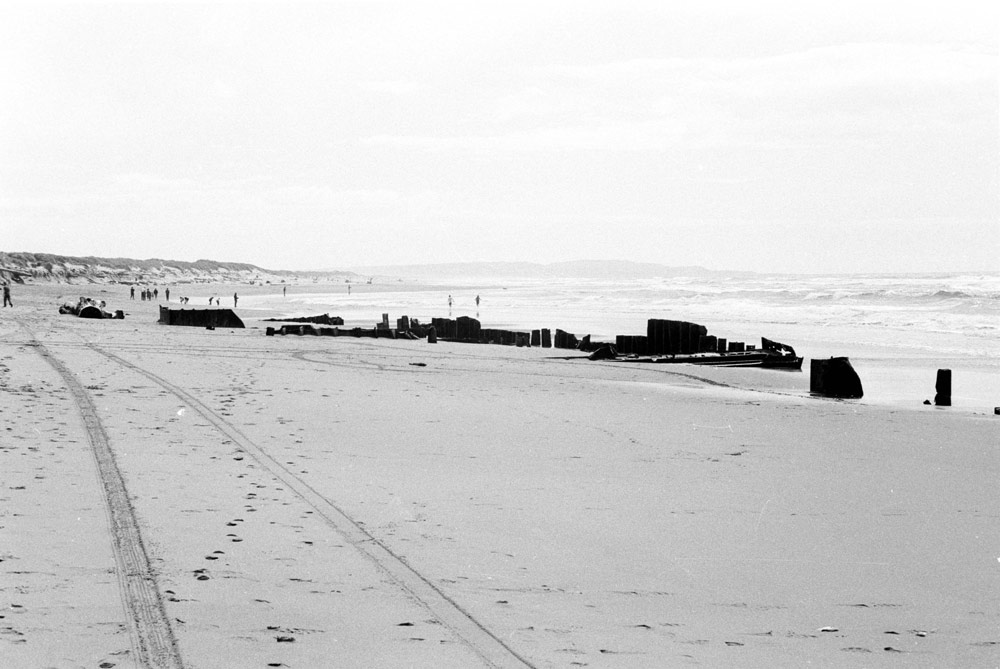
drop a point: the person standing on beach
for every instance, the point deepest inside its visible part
(236, 298)
(131, 293)
(166, 293)
(6, 296)
(449, 302)
(284, 291)
(477, 302)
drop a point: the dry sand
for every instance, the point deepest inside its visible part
(175, 496)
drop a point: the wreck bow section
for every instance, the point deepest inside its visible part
(204, 318)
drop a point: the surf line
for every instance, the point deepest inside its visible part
(152, 636)
(481, 641)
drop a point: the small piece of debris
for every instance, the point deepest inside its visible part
(828, 629)
(285, 639)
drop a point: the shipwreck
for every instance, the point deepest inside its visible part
(205, 318)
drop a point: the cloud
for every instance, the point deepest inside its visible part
(817, 96)
(390, 87)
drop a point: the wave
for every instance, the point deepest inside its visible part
(895, 313)
(947, 294)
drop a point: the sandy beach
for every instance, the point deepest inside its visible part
(179, 497)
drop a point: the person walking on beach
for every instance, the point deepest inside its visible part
(284, 291)
(449, 302)
(6, 296)
(477, 302)
(131, 293)
(236, 298)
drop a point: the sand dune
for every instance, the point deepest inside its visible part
(321, 502)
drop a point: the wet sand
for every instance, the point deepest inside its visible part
(175, 496)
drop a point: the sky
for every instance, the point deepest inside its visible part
(763, 136)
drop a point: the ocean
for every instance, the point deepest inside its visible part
(896, 329)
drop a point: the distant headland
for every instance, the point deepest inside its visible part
(49, 268)
(21, 267)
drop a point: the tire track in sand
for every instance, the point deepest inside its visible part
(491, 649)
(152, 637)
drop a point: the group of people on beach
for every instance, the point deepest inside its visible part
(148, 294)
(450, 301)
(218, 300)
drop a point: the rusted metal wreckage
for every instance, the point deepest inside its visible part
(204, 318)
(665, 341)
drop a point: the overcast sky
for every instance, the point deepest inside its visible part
(796, 136)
